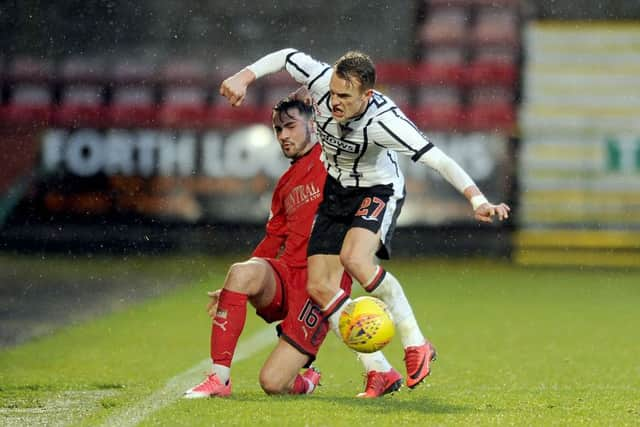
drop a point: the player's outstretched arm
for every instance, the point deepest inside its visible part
(484, 211)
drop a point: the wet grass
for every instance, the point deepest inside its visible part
(516, 346)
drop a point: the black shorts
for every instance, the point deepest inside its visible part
(375, 208)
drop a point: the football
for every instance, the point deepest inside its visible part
(366, 324)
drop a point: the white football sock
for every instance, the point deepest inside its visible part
(375, 361)
(222, 372)
(390, 291)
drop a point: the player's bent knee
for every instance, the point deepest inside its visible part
(352, 261)
(238, 277)
(272, 384)
(317, 290)
(245, 277)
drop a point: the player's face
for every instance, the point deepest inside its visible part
(347, 98)
(293, 132)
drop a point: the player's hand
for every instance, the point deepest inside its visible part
(235, 87)
(486, 211)
(212, 306)
(301, 94)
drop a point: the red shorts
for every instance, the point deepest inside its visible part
(302, 325)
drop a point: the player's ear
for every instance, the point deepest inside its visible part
(368, 93)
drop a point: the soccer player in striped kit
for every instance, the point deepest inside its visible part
(361, 132)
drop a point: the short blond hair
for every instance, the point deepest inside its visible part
(356, 65)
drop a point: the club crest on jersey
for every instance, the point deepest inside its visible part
(339, 144)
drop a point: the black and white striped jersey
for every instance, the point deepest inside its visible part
(361, 152)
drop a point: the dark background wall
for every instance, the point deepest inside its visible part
(587, 9)
(239, 30)
(210, 29)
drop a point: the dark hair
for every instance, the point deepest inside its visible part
(356, 65)
(286, 104)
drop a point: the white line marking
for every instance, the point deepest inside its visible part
(174, 388)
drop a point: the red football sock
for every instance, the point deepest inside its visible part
(227, 326)
(300, 385)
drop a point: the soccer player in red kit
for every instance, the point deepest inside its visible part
(274, 279)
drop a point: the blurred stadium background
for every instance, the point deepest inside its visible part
(114, 140)
(113, 135)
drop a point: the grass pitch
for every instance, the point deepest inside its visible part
(515, 345)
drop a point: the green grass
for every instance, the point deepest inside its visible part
(516, 346)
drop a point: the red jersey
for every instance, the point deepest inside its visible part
(293, 207)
